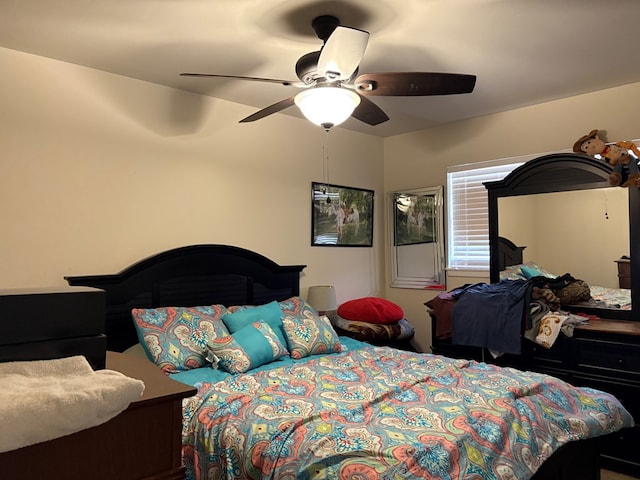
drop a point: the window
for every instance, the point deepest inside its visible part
(467, 211)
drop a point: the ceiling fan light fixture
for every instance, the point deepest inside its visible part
(327, 106)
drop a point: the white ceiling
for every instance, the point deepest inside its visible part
(523, 51)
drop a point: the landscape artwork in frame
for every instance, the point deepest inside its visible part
(415, 218)
(341, 216)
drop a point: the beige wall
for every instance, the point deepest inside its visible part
(420, 159)
(98, 171)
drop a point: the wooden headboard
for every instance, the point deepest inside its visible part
(510, 253)
(189, 276)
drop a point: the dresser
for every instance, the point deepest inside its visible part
(53, 322)
(143, 442)
(624, 272)
(605, 354)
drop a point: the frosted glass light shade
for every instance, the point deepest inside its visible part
(322, 298)
(327, 106)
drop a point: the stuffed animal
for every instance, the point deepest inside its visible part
(622, 156)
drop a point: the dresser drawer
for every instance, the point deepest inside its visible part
(622, 447)
(551, 357)
(607, 357)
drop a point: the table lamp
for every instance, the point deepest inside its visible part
(322, 298)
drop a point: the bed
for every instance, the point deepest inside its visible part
(346, 409)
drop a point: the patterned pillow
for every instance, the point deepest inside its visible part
(241, 316)
(310, 335)
(251, 346)
(297, 307)
(512, 272)
(176, 338)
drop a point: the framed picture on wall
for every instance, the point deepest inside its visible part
(341, 216)
(415, 216)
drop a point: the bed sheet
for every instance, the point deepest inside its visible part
(612, 297)
(377, 412)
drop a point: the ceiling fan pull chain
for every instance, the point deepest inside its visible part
(325, 158)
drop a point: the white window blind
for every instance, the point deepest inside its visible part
(468, 213)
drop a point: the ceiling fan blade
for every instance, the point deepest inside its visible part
(414, 83)
(369, 113)
(237, 77)
(342, 53)
(275, 108)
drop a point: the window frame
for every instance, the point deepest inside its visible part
(467, 212)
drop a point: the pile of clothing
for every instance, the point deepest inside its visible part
(496, 315)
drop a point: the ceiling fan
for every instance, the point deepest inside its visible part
(332, 89)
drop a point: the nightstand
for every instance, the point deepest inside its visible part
(143, 442)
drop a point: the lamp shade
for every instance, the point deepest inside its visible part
(322, 298)
(327, 106)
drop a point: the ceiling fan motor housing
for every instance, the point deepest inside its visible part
(307, 67)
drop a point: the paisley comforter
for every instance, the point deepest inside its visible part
(381, 413)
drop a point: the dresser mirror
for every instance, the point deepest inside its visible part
(417, 242)
(562, 212)
(581, 232)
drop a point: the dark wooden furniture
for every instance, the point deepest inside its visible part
(624, 272)
(508, 253)
(46, 323)
(143, 442)
(560, 172)
(188, 276)
(604, 354)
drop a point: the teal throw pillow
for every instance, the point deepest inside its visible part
(529, 272)
(253, 345)
(246, 315)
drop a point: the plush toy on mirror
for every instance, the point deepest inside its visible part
(622, 156)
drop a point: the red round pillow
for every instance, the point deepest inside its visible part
(372, 310)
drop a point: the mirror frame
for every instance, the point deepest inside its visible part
(560, 172)
(398, 280)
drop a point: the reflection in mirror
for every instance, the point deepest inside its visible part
(417, 247)
(580, 232)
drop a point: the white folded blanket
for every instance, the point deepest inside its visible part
(44, 399)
